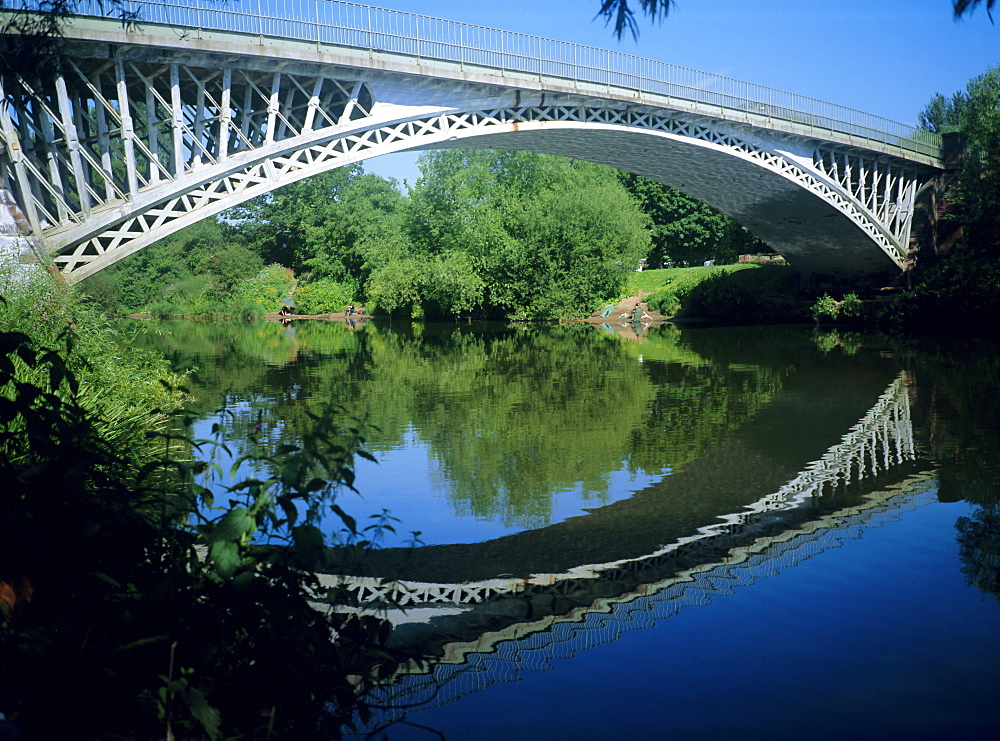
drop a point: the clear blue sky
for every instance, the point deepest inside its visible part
(886, 57)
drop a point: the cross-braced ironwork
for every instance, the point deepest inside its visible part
(879, 442)
(138, 136)
(508, 653)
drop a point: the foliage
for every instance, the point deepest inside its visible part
(112, 615)
(193, 271)
(850, 309)
(265, 290)
(851, 306)
(967, 6)
(687, 232)
(325, 224)
(623, 17)
(679, 284)
(323, 296)
(540, 236)
(763, 296)
(485, 233)
(118, 383)
(621, 13)
(961, 291)
(825, 306)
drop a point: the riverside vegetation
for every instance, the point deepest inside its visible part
(119, 577)
(523, 236)
(132, 599)
(490, 234)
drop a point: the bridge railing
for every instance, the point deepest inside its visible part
(333, 23)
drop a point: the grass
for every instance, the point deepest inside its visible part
(728, 294)
(650, 281)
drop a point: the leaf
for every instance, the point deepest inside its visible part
(236, 523)
(225, 554)
(209, 717)
(309, 543)
(351, 523)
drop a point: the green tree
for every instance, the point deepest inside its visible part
(276, 224)
(544, 236)
(962, 289)
(686, 231)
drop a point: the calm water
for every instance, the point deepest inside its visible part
(739, 533)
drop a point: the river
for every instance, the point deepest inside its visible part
(747, 532)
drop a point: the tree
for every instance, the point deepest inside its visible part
(962, 290)
(685, 230)
(967, 6)
(543, 236)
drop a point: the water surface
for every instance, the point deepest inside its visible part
(714, 532)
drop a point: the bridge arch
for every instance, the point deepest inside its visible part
(139, 138)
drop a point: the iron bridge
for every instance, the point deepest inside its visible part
(196, 107)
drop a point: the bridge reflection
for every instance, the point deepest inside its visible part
(534, 643)
(786, 450)
(476, 632)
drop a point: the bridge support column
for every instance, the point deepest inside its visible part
(931, 235)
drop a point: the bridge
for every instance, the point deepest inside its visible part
(195, 107)
(881, 441)
(476, 634)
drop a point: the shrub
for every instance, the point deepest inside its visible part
(825, 306)
(266, 289)
(851, 306)
(665, 301)
(135, 607)
(323, 296)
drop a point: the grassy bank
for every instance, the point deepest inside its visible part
(727, 294)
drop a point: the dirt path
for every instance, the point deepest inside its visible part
(625, 306)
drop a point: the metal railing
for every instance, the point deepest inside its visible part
(341, 24)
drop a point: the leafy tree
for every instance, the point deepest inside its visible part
(962, 290)
(348, 230)
(686, 231)
(546, 236)
(340, 224)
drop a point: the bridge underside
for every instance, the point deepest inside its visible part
(137, 140)
(810, 232)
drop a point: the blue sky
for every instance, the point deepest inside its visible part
(886, 57)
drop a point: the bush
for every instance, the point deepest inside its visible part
(666, 301)
(119, 384)
(131, 606)
(764, 295)
(851, 306)
(266, 289)
(323, 296)
(825, 306)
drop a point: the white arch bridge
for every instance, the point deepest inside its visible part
(195, 107)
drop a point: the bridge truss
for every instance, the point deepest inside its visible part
(881, 441)
(137, 137)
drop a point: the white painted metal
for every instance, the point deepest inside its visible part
(155, 132)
